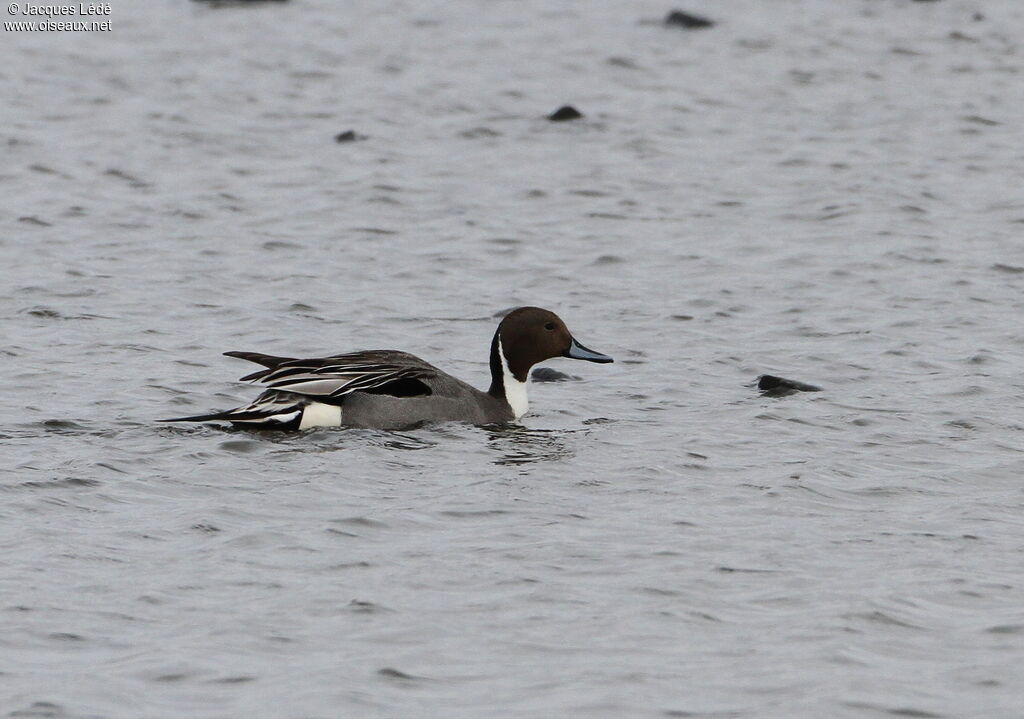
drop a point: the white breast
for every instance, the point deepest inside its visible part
(515, 391)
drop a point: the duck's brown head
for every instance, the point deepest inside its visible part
(529, 335)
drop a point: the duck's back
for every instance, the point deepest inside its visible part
(450, 400)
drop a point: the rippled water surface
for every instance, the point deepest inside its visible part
(826, 191)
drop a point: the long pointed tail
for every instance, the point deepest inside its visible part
(272, 409)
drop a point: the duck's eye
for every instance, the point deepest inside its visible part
(549, 326)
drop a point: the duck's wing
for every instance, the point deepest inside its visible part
(376, 371)
(259, 358)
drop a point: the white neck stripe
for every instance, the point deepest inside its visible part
(515, 391)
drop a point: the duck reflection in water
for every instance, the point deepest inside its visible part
(515, 444)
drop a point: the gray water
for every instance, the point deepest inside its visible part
(827, 191)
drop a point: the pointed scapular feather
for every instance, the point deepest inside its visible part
(339, 375)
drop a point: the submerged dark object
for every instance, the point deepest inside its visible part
(565, 112)
(678, 18)
(348, 136)
(772, 386)
(547, 374)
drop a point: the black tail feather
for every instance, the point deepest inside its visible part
(231, 415)
(280, 410)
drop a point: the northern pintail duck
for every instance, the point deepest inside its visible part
(388, 389)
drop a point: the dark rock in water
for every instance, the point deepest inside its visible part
(772, 386)
(678, 18)
(565, 112)
(31, 220)
(546, 374)
(348, 136)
